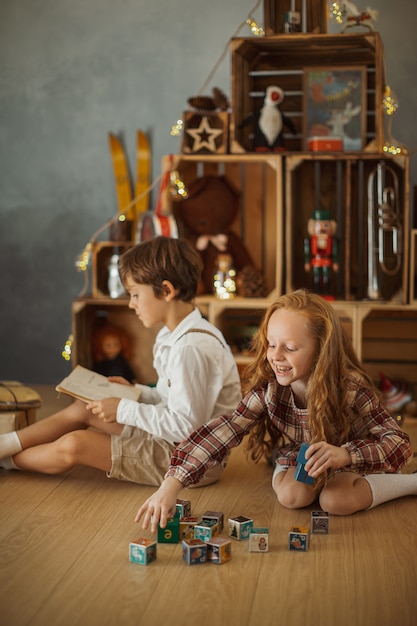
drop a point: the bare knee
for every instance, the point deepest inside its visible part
(70, 447)
(345, 501)
(294, 495)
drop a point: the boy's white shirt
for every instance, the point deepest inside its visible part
(197, 381)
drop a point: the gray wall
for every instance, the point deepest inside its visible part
(70, 72)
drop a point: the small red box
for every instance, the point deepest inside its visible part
(325, 144)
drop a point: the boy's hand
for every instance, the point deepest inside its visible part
(119, 379)
(160, 506)
(105, 409)
(322, 456)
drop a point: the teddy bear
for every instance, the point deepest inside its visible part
(205, 219)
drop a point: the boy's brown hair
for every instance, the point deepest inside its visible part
(163, 258)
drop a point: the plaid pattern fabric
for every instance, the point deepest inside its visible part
(375, 442)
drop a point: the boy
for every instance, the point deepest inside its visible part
(197, 381)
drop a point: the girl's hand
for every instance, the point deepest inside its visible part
(160, 506)
(106, 409)
(323, 456)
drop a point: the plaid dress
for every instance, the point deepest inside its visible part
(375, 442)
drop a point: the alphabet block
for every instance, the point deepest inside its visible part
(219, 550)
(142, 551)
(319, 523)
(239, 527)
(258, 540)
(194, 551)
(299, 538)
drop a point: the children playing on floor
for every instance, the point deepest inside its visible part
(197, 380)
(305, 384)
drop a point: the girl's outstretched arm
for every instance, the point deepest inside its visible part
(161, 505)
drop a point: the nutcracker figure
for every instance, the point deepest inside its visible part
(321, 251)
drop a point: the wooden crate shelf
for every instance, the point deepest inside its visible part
(88, 313)
(258, 179)
(315, 19)
(280, 60)
(339, 184)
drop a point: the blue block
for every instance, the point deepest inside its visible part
(301, 474)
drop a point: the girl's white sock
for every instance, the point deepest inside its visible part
(9, 444)
(8, 464)
(386, 487)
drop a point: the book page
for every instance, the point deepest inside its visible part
(88, 386)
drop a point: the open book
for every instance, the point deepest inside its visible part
(88, 386)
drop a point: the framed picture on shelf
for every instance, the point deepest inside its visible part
(335, 106)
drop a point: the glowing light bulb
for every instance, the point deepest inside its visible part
(256, 30)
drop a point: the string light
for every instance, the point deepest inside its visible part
(336, 12)
(177, 186)
(256, 30)
(177, 128)
(390, 101)
(390, 105)
(66, 352)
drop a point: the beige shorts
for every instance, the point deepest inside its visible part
(142, 458)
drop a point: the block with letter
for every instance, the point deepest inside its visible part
(142, 551)
(171, 532)
(194, 551)
(319, 522)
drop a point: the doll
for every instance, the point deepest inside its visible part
(111, 351)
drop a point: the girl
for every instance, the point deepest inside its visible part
(306, 385)
(197, 381)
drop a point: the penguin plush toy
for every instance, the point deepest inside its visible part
(268, 123)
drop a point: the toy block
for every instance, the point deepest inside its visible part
(194, 551)
(142, 551)
(258, 540)
(219, 550)
(319, 522)
(206, 530)
(187, 525)
(239, 527)
(171, 532)
(301, 473)
(184, 508)
(299, 538)
(217, 516)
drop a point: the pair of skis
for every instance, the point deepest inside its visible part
(133, 200)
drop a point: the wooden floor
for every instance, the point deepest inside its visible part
(64, 558)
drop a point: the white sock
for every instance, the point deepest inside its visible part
(8, 464)
(9, 444)
(386, 487)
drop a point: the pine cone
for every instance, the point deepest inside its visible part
(220, 99)
(251, 283)
(202, 103)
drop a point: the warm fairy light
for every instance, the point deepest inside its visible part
(256, 30)
(336, 12)
(177, 186)
(66, 352)
(390, 148)
(390, 101)
(83, 260)
(177, 128)
(390, 105)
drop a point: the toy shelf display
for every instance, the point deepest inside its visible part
(279, 191)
